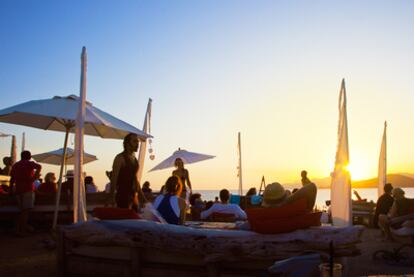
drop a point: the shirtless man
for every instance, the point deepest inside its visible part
(124, 181)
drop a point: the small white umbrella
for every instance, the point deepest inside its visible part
(55, 157)
(186, 156)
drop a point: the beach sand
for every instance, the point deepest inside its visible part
(33, 256)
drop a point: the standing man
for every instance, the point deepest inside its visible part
(124, 181)
(23, 175)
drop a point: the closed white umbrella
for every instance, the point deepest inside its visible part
(341, 201)
(382, 163)
(55, 157)
(186, 156)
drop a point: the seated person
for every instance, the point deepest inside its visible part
(90, 186)
(384, 203)
(108, 185)
(147, 191)
(49, 186)
(399, 208)
(169, 205)
(224, 207)
(197, 206)
(251, 192)
(8, 162)
(67, 186)
(275, 195)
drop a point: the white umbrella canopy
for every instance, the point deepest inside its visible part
(55, 157)
(186, 156)
(59, 114)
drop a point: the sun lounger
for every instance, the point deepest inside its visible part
(145, 248)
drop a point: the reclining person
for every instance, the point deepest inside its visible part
(275, 195)
(224, 207)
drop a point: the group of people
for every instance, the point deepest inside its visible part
(25, 183)
(126, 192)
(390, 206)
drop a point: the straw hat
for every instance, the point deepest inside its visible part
(398, 192)
(273, 194)
(69, 174)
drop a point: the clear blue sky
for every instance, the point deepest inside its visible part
(270, 69)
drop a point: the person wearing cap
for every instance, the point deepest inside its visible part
(275, 195)
(399, 208)
(384, 203)
(124, 182)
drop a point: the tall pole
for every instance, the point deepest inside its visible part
(240, 167)
(79, 197)
(62, 166)
(143, 146)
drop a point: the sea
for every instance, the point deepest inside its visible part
(371, 194)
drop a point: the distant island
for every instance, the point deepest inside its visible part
(403, 180)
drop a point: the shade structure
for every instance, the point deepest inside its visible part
(59, 114)
(3, 135)
(55, 157)
(186, 156)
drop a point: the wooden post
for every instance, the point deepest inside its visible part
(135, 262)
(60, 255)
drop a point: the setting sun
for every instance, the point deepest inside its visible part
(359, 169)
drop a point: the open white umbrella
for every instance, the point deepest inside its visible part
(55, 157)
(60, 114)
(186, 156)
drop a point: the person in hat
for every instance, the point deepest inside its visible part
(399, 208)
(124, 182)
(67, 186)
(275, 195)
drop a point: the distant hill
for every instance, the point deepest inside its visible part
(404, 180)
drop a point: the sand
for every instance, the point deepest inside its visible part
(35, 256)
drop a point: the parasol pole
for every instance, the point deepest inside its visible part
(62, 166)
(240, 166)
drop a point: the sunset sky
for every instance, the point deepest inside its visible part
(269, 69)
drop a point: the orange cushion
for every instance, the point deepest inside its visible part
(287, 224)
(292, 209)
(115, 213)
